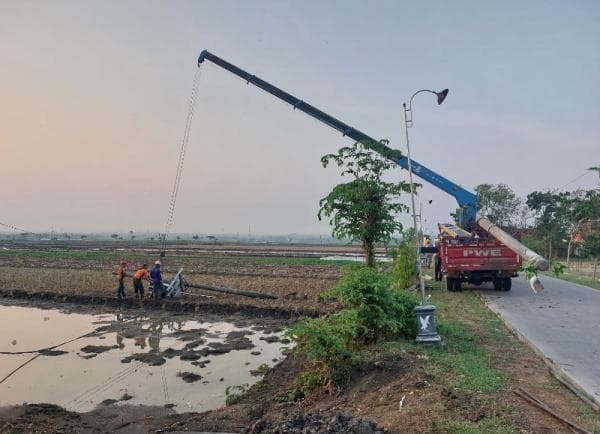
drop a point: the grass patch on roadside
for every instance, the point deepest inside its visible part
(581, 279)
(472, 335)
(465, 356)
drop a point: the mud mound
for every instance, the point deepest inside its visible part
(97, 349)
(342, 422)
(189, 377)
(47, 410)
(151, 359)
(53, 353)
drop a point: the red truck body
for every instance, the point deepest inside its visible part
(475, 260)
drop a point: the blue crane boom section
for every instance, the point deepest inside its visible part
(467, 201)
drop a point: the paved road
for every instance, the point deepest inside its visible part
(563, 323)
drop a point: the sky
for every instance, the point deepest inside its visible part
(94, 98)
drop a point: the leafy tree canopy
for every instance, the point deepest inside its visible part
(364, 209)
(498, 203)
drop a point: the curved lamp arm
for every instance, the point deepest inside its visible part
(441, 96)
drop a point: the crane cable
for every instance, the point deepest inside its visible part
(184, 143)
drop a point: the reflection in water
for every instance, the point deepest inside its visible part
(139, 341)
(144, 363)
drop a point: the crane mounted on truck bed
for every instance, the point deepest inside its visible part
(477, 227)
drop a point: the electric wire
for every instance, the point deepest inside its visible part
(39, 354)
(105, 384)
(15, 228)
(573, 180)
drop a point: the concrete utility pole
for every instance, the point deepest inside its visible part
(425, 313)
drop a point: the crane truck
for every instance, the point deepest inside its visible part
(474, 250)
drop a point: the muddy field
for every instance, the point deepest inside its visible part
(81, 361)
(398, 388)
(297, 286)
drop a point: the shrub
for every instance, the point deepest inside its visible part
(234, 393)
(380, 310)
(404, 272)
(558, 268)
(328, 340)
(371, 310)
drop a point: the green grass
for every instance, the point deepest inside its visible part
(488, 425)
(53, 254)
(463, 355)
(581, 279)
(112, 255)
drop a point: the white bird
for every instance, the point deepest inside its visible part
(536, 284)
(424, 322)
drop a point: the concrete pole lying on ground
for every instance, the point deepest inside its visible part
(230, 290)
(528, 255)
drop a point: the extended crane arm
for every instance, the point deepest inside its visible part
(466, 200)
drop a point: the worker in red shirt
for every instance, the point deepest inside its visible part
(138, 285)
(121, 279)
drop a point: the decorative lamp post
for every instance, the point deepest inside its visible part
(425, 312)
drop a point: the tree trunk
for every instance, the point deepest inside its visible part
(569, 251)
(368, 253)
(595, 267)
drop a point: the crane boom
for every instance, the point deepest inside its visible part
(467, 201)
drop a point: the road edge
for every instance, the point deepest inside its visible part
(555, 368)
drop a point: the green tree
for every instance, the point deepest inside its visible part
(498, 203)
(364, 209)
(591, 247)
(558, 215)
(551, 217)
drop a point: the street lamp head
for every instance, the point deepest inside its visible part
(442, 96)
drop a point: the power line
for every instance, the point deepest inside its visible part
(15, 228)
(574, 180)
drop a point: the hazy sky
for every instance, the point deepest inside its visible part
(94, 94)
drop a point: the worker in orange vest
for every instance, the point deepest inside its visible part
(121, 278)
(138, 285)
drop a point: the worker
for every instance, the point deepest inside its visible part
(121, 279)
(156, 277)
(138, 285)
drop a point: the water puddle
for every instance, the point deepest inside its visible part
(355, 258)
(184, 362)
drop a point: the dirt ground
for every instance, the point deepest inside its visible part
(297, 286)
(401, 387)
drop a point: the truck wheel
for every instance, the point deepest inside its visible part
(506, 284)
(453, 284)
(498, 286)
(438, 269)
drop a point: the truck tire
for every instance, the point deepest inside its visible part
(438, 268)
(506, 284)
(498, 284)
(453, 284)
(450, 284)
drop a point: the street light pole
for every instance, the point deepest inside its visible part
(425, 313)
(412, 201)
